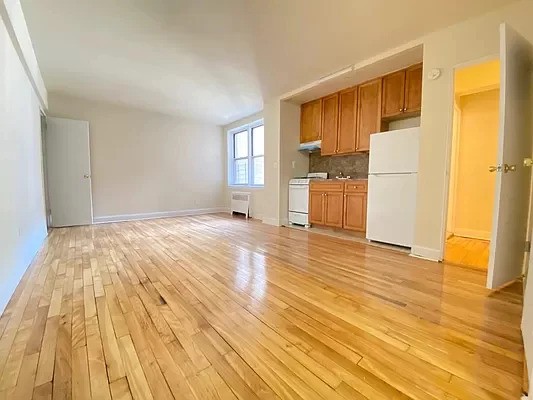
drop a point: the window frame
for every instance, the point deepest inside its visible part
(250, 157)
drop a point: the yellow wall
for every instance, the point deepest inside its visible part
(471, 79)
(476, 149)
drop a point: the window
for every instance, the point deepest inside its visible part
(246, 155)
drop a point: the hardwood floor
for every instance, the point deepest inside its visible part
(213, 307)
(468, 252)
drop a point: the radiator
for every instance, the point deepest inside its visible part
(240, 202)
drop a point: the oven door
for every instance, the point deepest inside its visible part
(299, 198)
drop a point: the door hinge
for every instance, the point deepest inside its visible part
(527, 247)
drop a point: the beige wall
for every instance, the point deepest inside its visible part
(471, 40)
(271, 194)
(476, 147)
(292, 162)
(22, 210)
(257, 194)
(144, 164)
(283, 161)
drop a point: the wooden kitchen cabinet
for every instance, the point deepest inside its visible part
(333, 209)
(338, 204)
(402, 92)
(368, 113)
(326, 203)
(355, 202)
(393, 94)
(413, 89)
(330, 118)
(311, 121)
(347, 132)
(316, 207)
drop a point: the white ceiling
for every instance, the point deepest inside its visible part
(217, 60)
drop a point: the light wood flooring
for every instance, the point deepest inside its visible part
(468, 252)
(213, 307)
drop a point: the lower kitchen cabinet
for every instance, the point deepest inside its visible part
(316, 207)
(333, 209)
(338, 204)
(355, 211)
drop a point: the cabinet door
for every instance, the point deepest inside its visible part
(333, 209)
(316, 208)
(347, 136)
(413, 88)
(330, 117)
(368, 113)
(393, 94)
(310, 121)
(355, 211)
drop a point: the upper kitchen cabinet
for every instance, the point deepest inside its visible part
(402, 92)
(311, 121)
(413, 89)
(393, 94)
(330, 120)
(368, 112)
(347, 132)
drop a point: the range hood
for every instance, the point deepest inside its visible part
(311, 146)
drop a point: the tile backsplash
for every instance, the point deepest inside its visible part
(355, 165)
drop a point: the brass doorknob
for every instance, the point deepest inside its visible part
(508, 168)
(495, 168)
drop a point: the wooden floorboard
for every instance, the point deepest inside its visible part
(214, 307)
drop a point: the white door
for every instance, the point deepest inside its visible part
(69, 172)
(527, 319)
(511, 202)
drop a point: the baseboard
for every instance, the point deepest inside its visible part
(271, 221)
(155, 215)
(426, 253)
(470, 233)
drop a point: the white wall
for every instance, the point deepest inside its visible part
(148, 164)
(22, 216)
(257, 194)
(463, 43)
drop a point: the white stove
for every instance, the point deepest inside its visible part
(299, 198)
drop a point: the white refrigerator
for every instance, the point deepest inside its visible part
(392, 184)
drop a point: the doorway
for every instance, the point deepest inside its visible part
(474, 151)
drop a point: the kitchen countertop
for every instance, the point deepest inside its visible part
(345, 180)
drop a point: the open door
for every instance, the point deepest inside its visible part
(511, 201)
(69, 172)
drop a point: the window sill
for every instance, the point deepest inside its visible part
(246, 186)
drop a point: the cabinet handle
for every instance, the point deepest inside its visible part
(401, 109)
(405, 109)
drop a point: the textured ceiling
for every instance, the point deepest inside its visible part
(217, 60)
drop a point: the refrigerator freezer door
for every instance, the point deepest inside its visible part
(391, 208)
(394, 151)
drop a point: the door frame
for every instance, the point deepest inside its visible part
(44, 170)
(449, 141)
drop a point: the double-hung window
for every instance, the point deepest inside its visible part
(246, 155)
